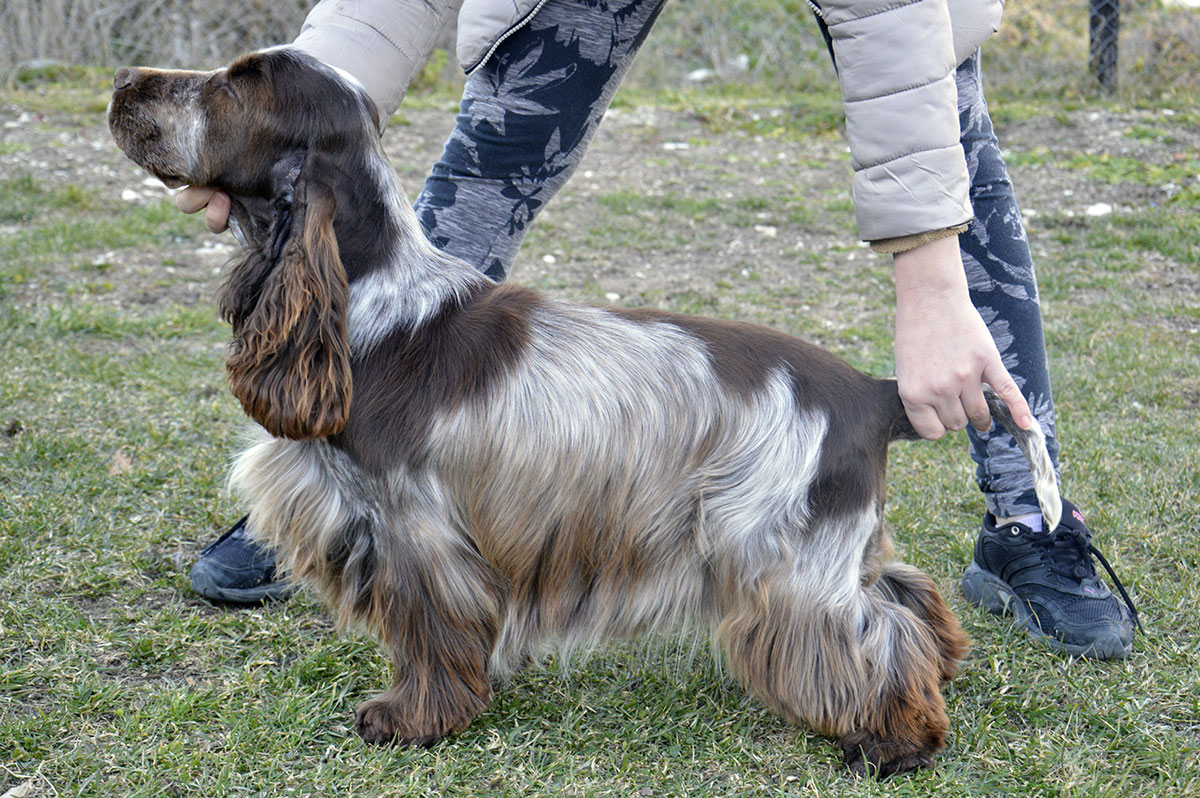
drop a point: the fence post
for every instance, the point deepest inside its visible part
(1104, 23)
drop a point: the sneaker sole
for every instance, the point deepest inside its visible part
(985, 589)
(204, 584)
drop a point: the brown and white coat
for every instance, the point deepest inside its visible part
(477, 474)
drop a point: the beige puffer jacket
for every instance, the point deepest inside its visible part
(895, 59)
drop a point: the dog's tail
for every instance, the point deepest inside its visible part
(1032, 443)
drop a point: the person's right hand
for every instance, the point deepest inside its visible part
(215, 204)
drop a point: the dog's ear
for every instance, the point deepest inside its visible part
(289, 362)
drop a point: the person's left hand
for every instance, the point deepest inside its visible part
(944, 351)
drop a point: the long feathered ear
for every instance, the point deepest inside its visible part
(289, 362)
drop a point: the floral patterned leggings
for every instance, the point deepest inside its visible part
(527, 116)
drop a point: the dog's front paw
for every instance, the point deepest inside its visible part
(868, 754)
(382, 721)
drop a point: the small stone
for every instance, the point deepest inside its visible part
(210, 247)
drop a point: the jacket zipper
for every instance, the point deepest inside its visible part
(496, 45)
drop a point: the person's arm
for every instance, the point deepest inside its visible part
(382, 43)
(896, 66)
(896, 69)
(944, 351)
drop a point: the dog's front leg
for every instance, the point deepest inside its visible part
(435, 607)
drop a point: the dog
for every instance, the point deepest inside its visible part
(478, 474)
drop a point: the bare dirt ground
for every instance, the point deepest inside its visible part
(661, 205)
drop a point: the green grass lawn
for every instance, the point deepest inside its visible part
(116, 430)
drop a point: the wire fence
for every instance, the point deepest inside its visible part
(1042, 48)
(1065, 48)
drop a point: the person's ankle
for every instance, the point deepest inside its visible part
(1033, 521)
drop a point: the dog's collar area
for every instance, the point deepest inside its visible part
(285, 202)
(294, 164)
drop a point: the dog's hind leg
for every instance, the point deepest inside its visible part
(911, 645)
(434, 605)
(912, 588)
(817, 646)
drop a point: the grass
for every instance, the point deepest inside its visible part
(22, 197)
(116, 430)
(1179, 176)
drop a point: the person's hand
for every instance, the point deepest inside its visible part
(216, 206)
(943, 349)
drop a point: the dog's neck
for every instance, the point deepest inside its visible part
(250, 220)
(397, 278)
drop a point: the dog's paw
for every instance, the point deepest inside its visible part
(381, 721)
(867, 754)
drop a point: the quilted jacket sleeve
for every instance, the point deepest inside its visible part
(383, 43)
(896, 61)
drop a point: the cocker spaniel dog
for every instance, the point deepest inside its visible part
(478, 474)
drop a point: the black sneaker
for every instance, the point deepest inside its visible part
(235, 569)
(1048, 582)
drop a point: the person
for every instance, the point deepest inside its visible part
(929, 187)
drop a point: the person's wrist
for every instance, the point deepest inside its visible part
(930, 272)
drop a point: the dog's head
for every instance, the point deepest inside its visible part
(285, 137)
(243, 128)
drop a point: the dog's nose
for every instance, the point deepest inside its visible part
(124, 77)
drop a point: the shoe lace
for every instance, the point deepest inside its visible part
(1069, 551)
